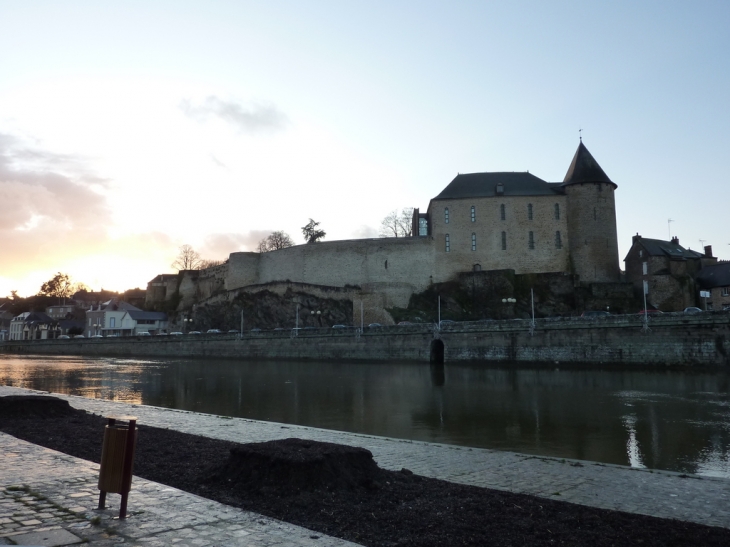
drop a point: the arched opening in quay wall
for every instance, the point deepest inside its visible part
(437, 352)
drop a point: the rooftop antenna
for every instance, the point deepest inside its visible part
(702, 241)
(669, 227)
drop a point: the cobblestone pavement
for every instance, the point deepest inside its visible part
(657, 493)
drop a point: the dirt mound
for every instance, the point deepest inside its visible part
(292, 465)
(34, 406)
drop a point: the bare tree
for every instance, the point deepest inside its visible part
(311, 233)
(398, 224)
(275, 241)
(187, 259)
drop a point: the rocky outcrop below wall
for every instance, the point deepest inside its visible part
(671, 340)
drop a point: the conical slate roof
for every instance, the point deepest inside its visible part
(584, 168)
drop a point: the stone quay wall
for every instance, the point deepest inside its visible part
(671, 340)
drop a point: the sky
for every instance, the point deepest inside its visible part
(129, 129)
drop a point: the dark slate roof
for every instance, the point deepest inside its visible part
(485, 185)
(38, 317)
(150, 315)
(717, 275)
(659, 247)
(584, 168)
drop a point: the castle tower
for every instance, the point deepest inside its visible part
(591, 217)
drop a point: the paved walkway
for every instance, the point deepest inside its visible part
(161, 515)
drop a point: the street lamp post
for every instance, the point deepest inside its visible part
(318, 314)
(508, 301)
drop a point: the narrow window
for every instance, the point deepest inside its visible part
(473, 214)
(386, 264)
(473, 242)
(726, 291)
(557, 211)
(529, 211)
(531, 242)
(504, 241)
(502, 212)
(558, 240)
(500, 189)
(644, 268)
(112, 322)
(448, 243)
(641, 254)
(446, 215)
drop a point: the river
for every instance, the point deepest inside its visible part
(677, 420)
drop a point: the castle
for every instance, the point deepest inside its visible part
(479, 222)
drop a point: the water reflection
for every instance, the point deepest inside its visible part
(677, 420)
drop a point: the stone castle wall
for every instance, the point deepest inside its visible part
(338, 263)
(545, 254)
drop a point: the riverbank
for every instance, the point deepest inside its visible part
(661, 494)
(667, 340)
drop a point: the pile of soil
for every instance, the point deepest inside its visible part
(340, 491)
(295, 465)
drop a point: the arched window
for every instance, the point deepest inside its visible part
(446, 215)
(473, 214)
(447, 243)
(502, 212)
(477, 267)
(504, 241)
(531, 240)
(529, 211)
(473, 242)
(557, 211)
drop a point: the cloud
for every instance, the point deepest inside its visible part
(219, 246)
(42, 191)
(247, 120)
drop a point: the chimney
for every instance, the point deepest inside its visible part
(708, 251)
(675, 240)
(635, 238)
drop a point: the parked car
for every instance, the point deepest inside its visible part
(692, 310)
(194, 332)
(176, 333)
(404, 323)
(255, 330)
(214, 331)
(650, 312)
(233, 331)
(592, 314)
(79, 336)
(373, 325)
(96, 336)
(161, 334)
(143, 334)
(339, 326)
(64, 337)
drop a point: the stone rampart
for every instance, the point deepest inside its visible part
(621, 340)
